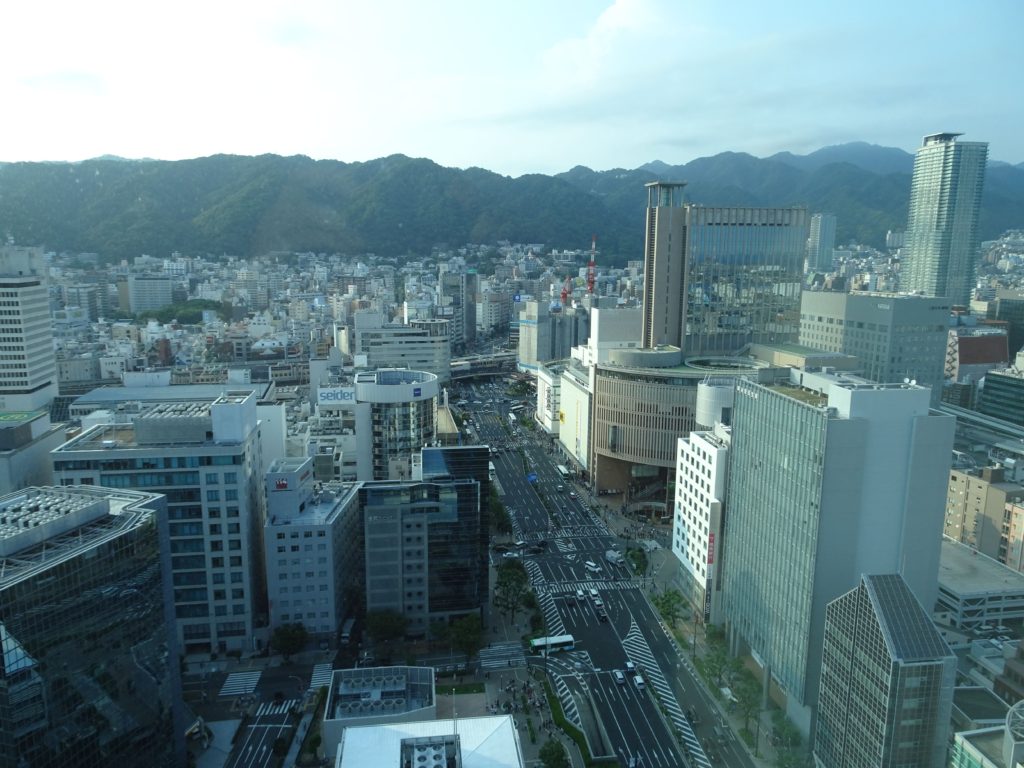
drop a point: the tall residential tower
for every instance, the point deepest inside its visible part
(942, 227)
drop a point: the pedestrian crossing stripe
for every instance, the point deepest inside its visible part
(239, 683)
(638, 650)
(274, 708)
(322, 675)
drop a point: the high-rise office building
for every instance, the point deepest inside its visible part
(895, 336)
(886, 681)
(942, 226)
(664, 303)
(28, 377)
(420, 540)
(205, 458)
(313, 538)
(821, 242)
(716, 279)
(830, 477)
(89, 674)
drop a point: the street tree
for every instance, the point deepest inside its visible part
(289, 638)
(716, 661)
(552, 755)
(467, 635)
(511, 588)
(747, 691)
(671, 606)
(386, 626)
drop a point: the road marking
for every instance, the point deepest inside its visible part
(322, 675)
(238, 683)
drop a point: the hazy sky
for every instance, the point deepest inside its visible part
(529, 86)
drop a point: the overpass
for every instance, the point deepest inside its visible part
(483, 365)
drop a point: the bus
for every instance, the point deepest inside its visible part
(512, 419)
(517, 408)
(346, 631)
(545, 645)
(491, 473)
(563, 471)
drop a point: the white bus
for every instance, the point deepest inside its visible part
(512, 419)
(545, 645)
(563, 471)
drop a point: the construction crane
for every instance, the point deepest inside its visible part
(566, 290)
(592, 266)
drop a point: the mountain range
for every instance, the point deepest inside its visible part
(399, 205)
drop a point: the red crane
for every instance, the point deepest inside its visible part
(592, 266)
(566, 290)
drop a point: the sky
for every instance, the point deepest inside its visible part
(534, 86)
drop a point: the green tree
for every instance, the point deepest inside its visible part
(500, 520)
(467, 635)
(747, 691)
(386, 626)
(289, 638)
(639, 560)
(671, 606)
(511, 588)
(716, 660)
(552, 755)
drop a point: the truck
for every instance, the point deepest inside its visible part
(614, 557)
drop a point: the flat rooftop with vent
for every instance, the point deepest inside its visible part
(376, 696)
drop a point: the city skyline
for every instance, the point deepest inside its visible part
(516, 90)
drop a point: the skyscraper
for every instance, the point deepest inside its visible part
(821, 242)
(205, 458)
(88, 663)
(829, 478)
(664, 303)
(28, 377)
(886, 681)
(942, 226)
(716, 279)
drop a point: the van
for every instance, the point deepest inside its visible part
(638, 681)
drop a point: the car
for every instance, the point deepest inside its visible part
(520, 543)
(620, 678)
(579, 594)
(602, 615)
(572, 494)
(638, 681)
(591, 566)
(631, 667)
(598, 603)
(543, 543)
(594, 595)
(511, 555)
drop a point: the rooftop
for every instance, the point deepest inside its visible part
(374, 692)
(41, 527)
(485, 742)
(801, 394)
(979, 703)
(907, 629)
(965, 572)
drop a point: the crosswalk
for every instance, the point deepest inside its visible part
(565, 546)
(502, 656)
(275, 708)
(572, 586)
(639, 652)
(552, 619)
(240, 683)
(321, 678)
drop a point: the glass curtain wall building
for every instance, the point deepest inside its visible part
(420, 539)
(744, 268)
(886, 681)
(942, 226)
(88, 670)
